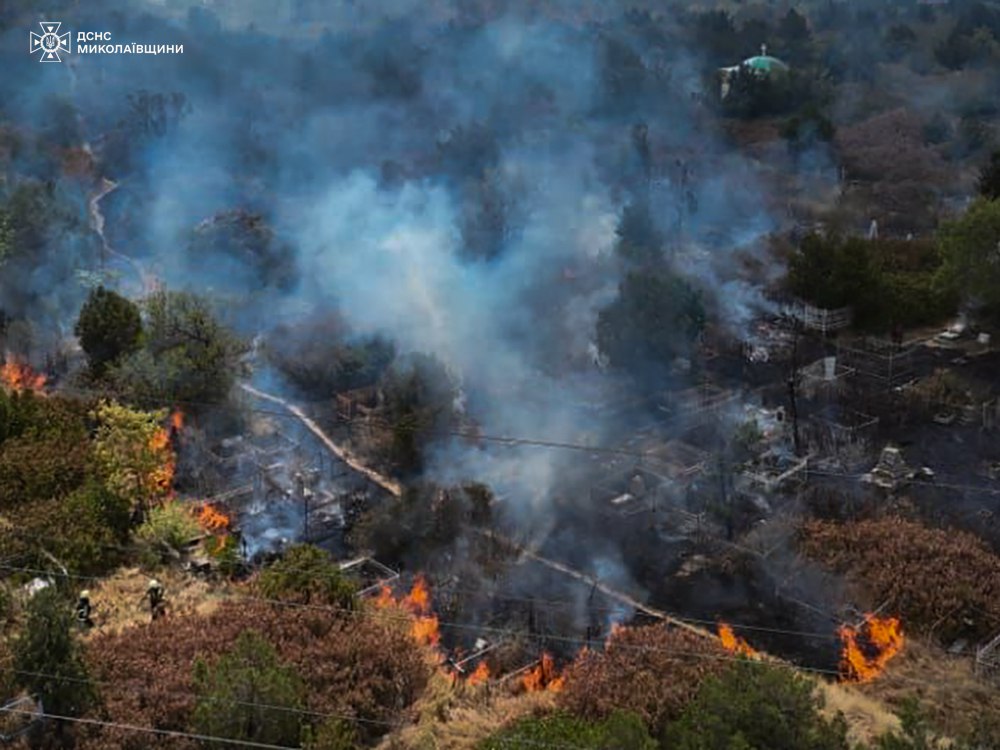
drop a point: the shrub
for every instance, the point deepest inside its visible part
(651, 671)
(248, 695)
(170, 525)
(47, 658)
(306, 574)
(755, 706)
(350, 666)
(934, 578)
(620, 731)
(34, 469)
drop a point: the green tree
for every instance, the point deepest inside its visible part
(306, 574)
(90, 529)
(132, 454)
(970, 247)
(639, 241)
(109, 327)
(620, 731)
(419, 397)
(48, 659)
(989, 178)
(899, 40)
(754, 706)
(332, 734)
(249, 695)
(655, 318)
(795, 37)
(188, 355)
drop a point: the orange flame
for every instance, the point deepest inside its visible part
(733, 643)
(384, 597)
(479, 675)
(418, 601)
(163, 475)
(425, 628)
(211, 519)
(868, 648)
(177, 420)
(18, 377)
(543, 677)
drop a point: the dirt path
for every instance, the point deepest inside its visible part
(387, 483)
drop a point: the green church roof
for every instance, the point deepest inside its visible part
(765, 63)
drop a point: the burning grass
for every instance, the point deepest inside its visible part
(544, 676)
(733, 643)
(417, 603)
(19, 377)
(869, 647)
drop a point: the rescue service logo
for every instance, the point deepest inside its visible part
(50, 42)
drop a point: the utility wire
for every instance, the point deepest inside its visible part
(455, 624)
(149, 730)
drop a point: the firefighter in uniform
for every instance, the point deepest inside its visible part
(156, 595)
(83, 610)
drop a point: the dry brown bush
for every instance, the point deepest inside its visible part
(652, 671)
(352, 666)
(941, 581)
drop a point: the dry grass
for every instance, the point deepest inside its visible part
(457, 717)
(867, 718)
(119, 604)
(948, 691)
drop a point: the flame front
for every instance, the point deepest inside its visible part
(733, 643)
(479, 675)
(425, 622)
(163, 475)
(212, 519)
(18, 377)
(869, 647)
(425, 628)
(544, 676)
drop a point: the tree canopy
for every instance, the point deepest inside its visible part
(620, 731)
(48, 659)
(970, 246)
(655, 318)
(109, 327)
(188, 356)
(247, 694)
(754, 706)
(306, 574)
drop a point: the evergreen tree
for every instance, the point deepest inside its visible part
(47, 657)
(109, 327)
(248, 695)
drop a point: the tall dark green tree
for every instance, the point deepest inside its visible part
(48, 658)
(188, 356)
(109, 327)
(419, 397)
(970, 247)
(639, 241)
(989, 178)
(655, 318)
(248, 695)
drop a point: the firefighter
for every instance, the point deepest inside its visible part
(156, 595)
(83, 610)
